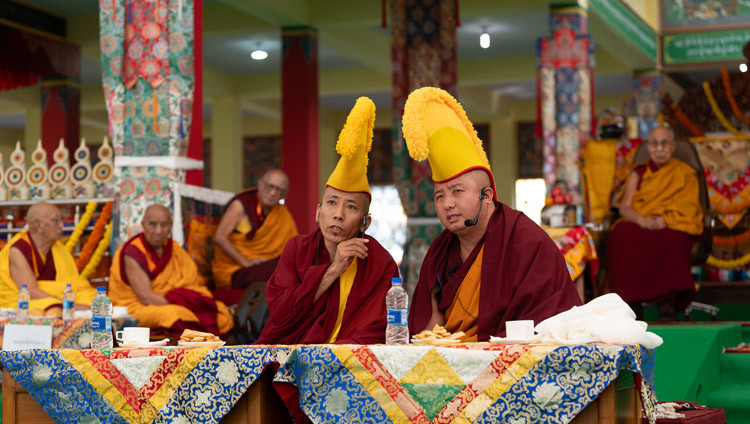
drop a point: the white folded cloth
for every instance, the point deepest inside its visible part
(605, 319)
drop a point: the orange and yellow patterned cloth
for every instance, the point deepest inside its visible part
(577, 246)
(468, 383)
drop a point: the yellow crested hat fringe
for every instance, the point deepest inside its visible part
(354, 144)
(436, 128)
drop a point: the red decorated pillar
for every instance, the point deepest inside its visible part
(299, 119)
(195, 143)
(61, 114)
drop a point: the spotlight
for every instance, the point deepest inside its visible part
(484, 39)
(743, 67)
(259, 54)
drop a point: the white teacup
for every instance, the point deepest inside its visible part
(519, 330)
(133, 335)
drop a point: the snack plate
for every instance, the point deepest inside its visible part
(220, 343)
(436, 342)
(143, 345)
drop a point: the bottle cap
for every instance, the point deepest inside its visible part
(101, 289)
(396, 280)
(23, 286)
(67, 285)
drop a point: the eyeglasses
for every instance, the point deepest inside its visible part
(654, 144)
(273, 187)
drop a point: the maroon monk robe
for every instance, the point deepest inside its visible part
(295, 318)
(524, 275)
(250, 203)
(43, 270)
(650, 265)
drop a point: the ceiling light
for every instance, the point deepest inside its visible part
(484, 39)
(743, 67)
(259, 54)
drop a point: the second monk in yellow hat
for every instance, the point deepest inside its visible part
(491, 264)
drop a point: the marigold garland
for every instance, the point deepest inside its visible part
(728, 263)
(94, 237)
(717, 112)
(732, 103)
(73, 240)
(98, 254)
(697, 132)
(732, 240)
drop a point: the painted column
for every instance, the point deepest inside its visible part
(61, 114)
(565, 93)
(299, 133)
(423, 53)
(227, 146)
(643, 104)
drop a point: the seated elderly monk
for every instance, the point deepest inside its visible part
(330, 284)
(35, 257)
(649, 249)
(491, 264)
(252, 233)
(157, 280)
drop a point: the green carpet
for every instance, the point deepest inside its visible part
(687, 365)
(734, 393)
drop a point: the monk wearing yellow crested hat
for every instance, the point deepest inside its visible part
(491, 264)
(330, 284)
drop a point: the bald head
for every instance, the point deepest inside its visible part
(157, 224)
(272, 187)
(45, 223)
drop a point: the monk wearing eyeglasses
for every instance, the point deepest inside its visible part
(252, 233)
(650, 247)
(37, 258)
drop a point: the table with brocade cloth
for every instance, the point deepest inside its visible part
(476, 382)
(73, 334)
(577, 246)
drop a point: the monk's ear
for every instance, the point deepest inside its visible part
(366, 222)
(317, 213)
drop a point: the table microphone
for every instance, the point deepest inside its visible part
(470, 222)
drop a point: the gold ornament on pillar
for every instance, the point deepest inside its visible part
(80, 173)
(103, 172)
(59, 174)
(15, 178)
(36, 177)
(3, 191)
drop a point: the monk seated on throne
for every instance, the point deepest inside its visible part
(649, 249)
(159, 283)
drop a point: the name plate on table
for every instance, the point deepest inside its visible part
(21, 337)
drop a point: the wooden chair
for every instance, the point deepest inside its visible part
(247, 323)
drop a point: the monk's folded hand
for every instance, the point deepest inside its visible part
(256, 261)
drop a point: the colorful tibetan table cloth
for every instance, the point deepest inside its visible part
(74, 334)
(472, 383)
(577, 246)
(174, 385)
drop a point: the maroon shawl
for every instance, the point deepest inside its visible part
(524, 275)
(296, 319)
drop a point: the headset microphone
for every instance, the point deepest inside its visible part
(470, 222)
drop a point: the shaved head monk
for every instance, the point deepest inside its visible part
(650, 248)
(491, 264)
(157, 280)
(35, 257)
(330, 284)
(252, 233)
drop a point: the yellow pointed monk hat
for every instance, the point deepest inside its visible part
(354, 143)
(436, 128)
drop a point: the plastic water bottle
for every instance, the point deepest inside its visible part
(69, 298)
(397, 303)
(101, 320)
(23, 303)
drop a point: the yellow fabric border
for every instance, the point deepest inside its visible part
(350, 361)
(728, 263)
(492, 393)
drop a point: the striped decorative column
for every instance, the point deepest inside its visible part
(423, 53)
(565, 93)
(148, 89)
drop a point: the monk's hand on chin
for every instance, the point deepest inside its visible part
(347, 250)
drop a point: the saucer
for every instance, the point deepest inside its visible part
(505, 340)
(136, 345)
